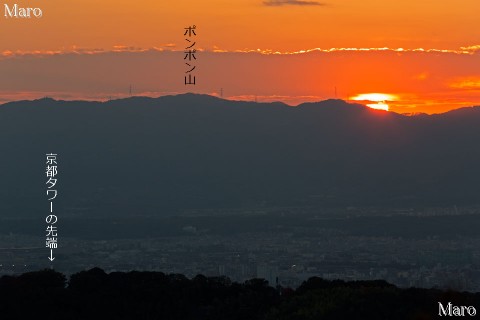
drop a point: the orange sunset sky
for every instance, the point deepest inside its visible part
(421, 56)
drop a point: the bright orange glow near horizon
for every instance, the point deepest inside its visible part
(427, 53)
(379, 98)
(378, 106)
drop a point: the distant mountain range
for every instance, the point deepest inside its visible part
(163, 155)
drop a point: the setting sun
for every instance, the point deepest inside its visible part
(379, 98)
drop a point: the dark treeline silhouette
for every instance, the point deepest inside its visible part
(94, 294)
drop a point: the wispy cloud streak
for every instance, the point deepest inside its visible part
(475, 49)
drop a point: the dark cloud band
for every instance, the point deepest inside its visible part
(292, 3)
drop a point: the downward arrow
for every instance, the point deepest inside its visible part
(51, 258)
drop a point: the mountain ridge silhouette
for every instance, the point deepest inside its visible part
(167, 154)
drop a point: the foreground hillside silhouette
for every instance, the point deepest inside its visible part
(94, 294)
